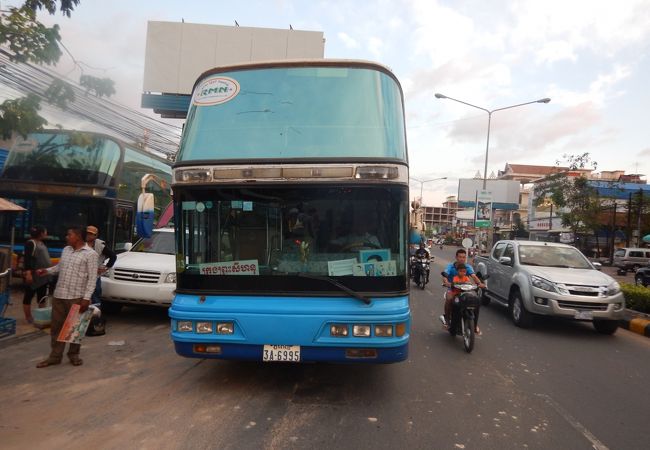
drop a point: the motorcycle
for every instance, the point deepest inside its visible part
(420, 271)
(463, 313)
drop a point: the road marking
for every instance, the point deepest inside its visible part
(574, 423)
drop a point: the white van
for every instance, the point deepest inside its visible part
(631, 258)
(143, 275)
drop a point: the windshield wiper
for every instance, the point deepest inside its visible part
(341, 286)
(561, 266)
(529, 263)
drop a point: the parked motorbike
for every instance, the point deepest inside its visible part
(420, 271)
(463, 313)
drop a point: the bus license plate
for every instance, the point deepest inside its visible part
(281, 353)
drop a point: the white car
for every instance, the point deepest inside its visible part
(143, 275)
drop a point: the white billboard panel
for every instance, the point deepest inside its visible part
(177, 53)
(502, 191)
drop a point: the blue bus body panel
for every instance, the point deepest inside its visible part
(303, 321)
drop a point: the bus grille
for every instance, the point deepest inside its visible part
(136, 276)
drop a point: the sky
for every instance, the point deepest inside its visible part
(590, 57)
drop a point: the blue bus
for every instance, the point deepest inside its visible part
(291, 214)
(69, 178)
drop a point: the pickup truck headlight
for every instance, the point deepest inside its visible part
(170, 278)
(613, 289)
(543, 284)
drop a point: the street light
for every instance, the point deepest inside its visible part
(487, 145)
(420, 211)
(425, 181)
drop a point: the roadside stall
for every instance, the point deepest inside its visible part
(8, 211)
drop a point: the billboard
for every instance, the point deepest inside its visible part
(483, 212)
(177, 53)
(505, 193)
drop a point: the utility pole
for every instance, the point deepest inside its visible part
(611, 248)
(638, 219)
(628, 231)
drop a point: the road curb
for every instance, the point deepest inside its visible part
(11, 340)
(637, 325)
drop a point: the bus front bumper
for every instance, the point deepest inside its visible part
(250, 352)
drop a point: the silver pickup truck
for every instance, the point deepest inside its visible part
(550, 279)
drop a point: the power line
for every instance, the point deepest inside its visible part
(127, 124)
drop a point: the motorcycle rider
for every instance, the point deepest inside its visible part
(452, 271)
(420, 253)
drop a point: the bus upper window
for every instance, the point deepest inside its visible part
(332, 112)
(77, 158)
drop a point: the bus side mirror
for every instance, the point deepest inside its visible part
(144, 215)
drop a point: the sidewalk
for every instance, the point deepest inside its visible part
(24, 330)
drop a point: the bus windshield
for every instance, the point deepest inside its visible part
(275, 236)
(297, 113)
(73, 158)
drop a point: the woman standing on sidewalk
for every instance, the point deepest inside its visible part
(36, 257)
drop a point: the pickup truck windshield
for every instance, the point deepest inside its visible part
(549, 256)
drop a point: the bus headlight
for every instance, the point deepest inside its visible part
(170, 278)
(361, 330)
(225, 328)
(400, 329)
(184, 325)
(383, 330)
(204, 327)
(339, 330)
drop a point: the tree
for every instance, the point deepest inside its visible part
(577, 202)
(30, 41)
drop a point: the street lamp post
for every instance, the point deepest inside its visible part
(425, 181)
(487, 144)
(421, 193)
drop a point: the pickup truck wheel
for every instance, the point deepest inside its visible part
(110, 307)
(520, 317)
(606, 326)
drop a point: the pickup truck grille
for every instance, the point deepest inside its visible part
(585, 306)
(585, 291)
(136, 276)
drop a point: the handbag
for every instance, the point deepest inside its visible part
(43, 314)
(97, 325)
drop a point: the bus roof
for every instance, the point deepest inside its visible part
(350, 63)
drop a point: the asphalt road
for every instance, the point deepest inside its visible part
(558, 385)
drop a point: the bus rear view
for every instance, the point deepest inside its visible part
(291, 207)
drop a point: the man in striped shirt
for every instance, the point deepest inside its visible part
(77, 270)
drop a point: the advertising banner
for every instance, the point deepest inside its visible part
(483, 214)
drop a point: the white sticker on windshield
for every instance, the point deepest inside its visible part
(246, 267)
(215, 90)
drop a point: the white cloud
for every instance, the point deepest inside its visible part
(348, 41)
(555, 51)
(375, 46)
(599, 91)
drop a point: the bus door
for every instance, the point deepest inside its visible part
(123, 224)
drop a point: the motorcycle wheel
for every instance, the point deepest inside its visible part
(468, 334)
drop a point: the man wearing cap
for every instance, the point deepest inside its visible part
(103, 253)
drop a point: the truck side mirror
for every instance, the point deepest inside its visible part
(597, 265)
(505, 260)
